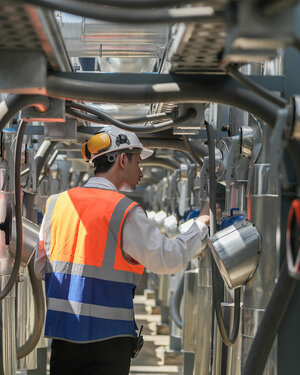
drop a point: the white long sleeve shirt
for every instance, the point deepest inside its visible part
(143, 241)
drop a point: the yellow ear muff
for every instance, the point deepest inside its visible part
(98, 142)
(85, 152)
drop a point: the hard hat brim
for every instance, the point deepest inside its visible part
(146, 153)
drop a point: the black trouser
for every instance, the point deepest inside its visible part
(109, 357)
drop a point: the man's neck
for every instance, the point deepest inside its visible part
(112, 178)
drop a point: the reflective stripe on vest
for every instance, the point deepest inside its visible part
(89, 284)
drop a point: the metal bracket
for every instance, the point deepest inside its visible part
(233, 153)
(56, 113)
(31, 183)
(192, 126)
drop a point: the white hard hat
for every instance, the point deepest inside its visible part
(112, 139)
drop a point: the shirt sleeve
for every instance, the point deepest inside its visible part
(143, 241)
(40, 254)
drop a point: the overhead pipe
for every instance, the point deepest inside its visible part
(176, 90)
(136, 16)
(160, 163)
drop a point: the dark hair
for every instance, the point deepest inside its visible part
(103, 165)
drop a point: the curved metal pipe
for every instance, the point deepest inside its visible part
(137, 16)
(160, 163)
(15, 103)
(270, 323)
(171, 92)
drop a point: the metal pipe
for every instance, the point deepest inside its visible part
(15, 103)
(145, 4)
(228, 340)
(176, 90)
(270, 323)
(161, 163)
(259, 90)
(30, 239)
(137, 16)
(18, 211)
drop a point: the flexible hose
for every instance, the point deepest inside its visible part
(228, 341)
(190, 148)
(144, 4)
(97, 120)
(175, 303)
(270, 323)
(128, 120)
(175, 90)
(18, 210)
(102, 116)
(15, 103)
(39, 314)
(253, 86)
(137, 16)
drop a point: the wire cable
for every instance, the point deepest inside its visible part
(128, 120)
(258, 89)
(102, 116)
(18, 211)
(228, 341)
(190, 148)
(136, 16)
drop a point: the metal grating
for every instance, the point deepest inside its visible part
(16, 29)
(200, 45)
(28, 28)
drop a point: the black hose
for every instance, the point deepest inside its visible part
(270, 323)
(15, 103)
(18, 211)
(253, 86)
(194, 154)
(229, 341)
(173, 91)
(144, 4)
(175, 303)
(137, 16)
(128, 120)
(189, 114)
(39, 314)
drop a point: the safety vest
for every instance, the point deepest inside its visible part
(89, 284)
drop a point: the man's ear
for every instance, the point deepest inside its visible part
(122, 159)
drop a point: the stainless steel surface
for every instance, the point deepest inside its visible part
(264, 213)
(89, 38)
(233, 363)
(190, 310)
(251, 320)
(7, 331)
(203, 333)
(30, 239)
(246, 141)
(25, 320)
(236, 251)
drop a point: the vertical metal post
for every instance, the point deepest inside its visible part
(203, 334)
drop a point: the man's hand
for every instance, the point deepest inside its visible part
(203, 219)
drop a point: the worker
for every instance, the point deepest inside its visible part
(94, 245)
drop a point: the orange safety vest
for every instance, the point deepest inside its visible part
(90, 282)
